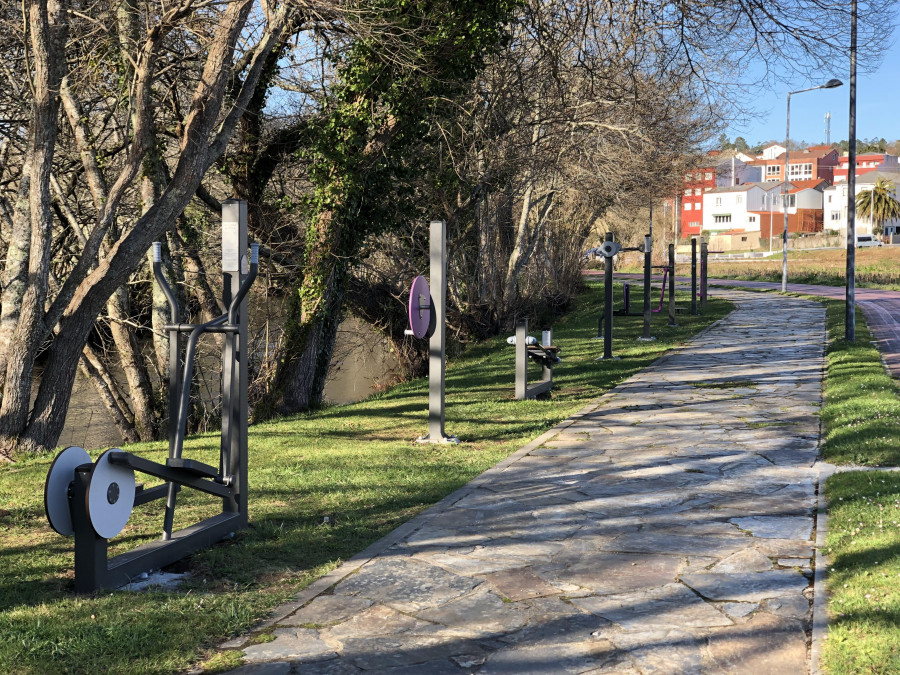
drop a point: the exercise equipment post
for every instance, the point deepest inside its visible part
(437, 347)
(693, 276)
(94, 501)
(672, 285)
(704, 270)
(648, 272)
(544, 353)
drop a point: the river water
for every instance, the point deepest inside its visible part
(362, 362)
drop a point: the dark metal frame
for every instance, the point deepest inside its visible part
(93, 569)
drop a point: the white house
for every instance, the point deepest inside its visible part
(773, 151)
(836, 200)
(730, 208)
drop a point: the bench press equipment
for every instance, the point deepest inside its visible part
(544, 353)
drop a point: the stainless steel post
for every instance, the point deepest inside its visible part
(521, 359)
(437, 343)
(235, 265)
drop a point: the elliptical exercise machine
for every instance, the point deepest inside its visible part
(93, 500)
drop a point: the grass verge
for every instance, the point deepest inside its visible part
(862, 401)
(862, 426)
(864, 578)
(356, 464)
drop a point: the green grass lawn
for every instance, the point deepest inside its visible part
(862, 406)
(864, 577)
(862, 426)
(357, 464)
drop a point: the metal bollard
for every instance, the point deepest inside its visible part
(672, 285)
(693, 276)
(704, 270)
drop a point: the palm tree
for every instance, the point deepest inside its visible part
(879, 204)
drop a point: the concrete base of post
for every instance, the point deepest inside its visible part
(445, 440)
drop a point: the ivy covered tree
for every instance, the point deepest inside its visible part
(387, 84)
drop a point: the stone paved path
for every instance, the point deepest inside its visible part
(667, 529)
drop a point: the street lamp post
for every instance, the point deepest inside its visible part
(850, 296)
(831, 84)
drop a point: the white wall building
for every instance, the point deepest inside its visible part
(728, 208)
(836, 200)
(773, 151)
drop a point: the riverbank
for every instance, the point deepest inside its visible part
(357, 465)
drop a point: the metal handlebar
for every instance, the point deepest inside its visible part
(161, 280)
(227, 319)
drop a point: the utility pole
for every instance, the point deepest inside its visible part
(850, 301)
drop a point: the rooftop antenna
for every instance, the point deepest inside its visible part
(828, 128)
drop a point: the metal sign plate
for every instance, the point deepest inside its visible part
(110, 497)
(420, 309)
(56, 488)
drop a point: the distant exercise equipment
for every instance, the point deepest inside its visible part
(529, 349)
(693, 276)
(427, 319)
(704, 270)
(94, 501)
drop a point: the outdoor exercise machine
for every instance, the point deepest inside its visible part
(427, 319)
(609, 249)
(704, 271)
(545, 353)
(93, 500)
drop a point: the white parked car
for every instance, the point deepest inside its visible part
(867, 240)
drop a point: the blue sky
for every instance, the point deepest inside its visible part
(877, 107)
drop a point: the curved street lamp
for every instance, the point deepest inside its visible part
(831, 84)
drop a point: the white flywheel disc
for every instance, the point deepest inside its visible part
(110, 496)
(56, 488)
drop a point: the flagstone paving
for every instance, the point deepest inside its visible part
(668, 529)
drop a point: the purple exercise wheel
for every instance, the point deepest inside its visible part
(421, 308)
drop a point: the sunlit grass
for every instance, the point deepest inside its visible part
(862, 406)
(864, 578)
(357, 464)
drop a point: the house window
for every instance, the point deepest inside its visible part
(688, 206)
(707, 189)
(835, 215)
(687, 192)
(698, 192)
(722, 219)
(739, 199)
(752, 219)
(743, 238)
(773, 170)
(829, 199)
(718, 201)
(707, 175)
(800, 171)
(698, 206)
(790, 199)
(687, 177)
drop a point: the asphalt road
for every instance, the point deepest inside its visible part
(882, 309)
